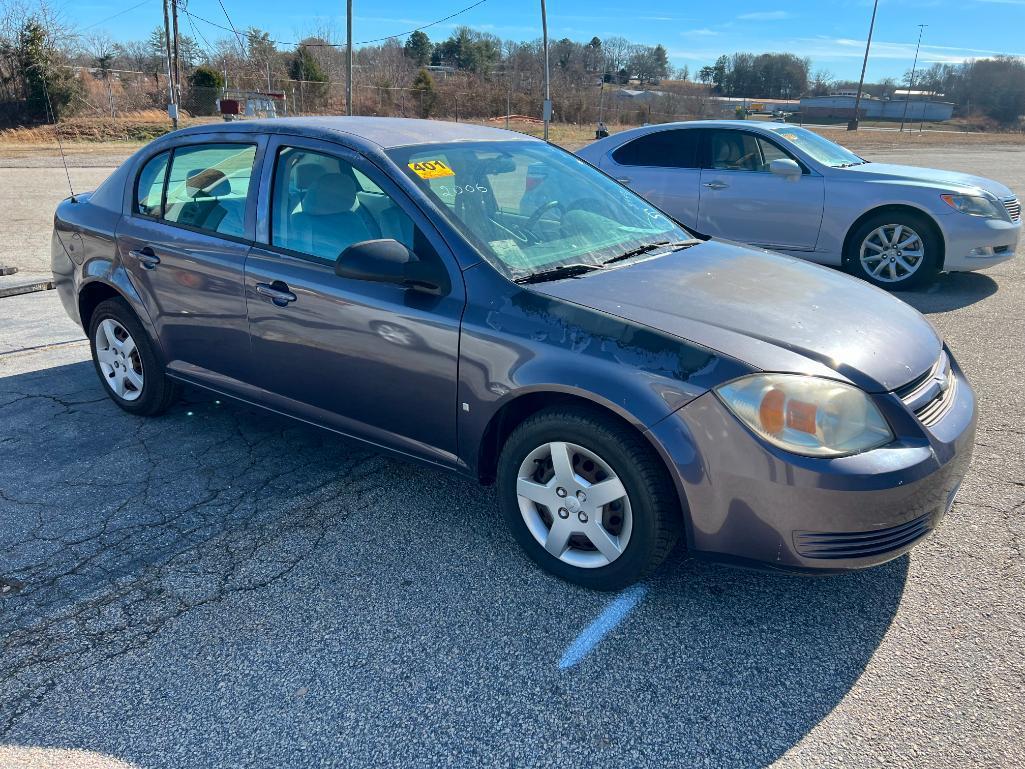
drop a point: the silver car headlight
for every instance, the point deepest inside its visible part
(976, 205)
(807, 415)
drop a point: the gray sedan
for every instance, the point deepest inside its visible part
(624, 384)
(788, 189)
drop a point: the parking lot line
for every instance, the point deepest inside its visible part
(613, 614)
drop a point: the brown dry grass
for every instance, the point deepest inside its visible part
(138, 127)
(86, 134)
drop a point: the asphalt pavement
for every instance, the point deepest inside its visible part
(222, 587)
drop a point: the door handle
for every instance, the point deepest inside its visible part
(623, 179)
(145, 257)
(716, 185)
(277, 292)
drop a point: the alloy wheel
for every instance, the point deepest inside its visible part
(892, 253)
(119, 360)
(574, 504)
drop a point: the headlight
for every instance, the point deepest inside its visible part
(975, 205)
(807, 415)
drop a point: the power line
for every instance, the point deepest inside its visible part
(425, 26)
(292, 44)
(226, 16)
(115, 15)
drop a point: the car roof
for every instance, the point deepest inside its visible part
(384, 132)
(755, 124)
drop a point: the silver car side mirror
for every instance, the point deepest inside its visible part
(786, 168)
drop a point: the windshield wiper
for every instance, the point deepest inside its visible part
(651, 247)
(556, 273)
(848, 165)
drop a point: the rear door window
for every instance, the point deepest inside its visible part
(662, 149)
(208, 186)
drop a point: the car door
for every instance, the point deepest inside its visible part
(663, 167)
(742, 200)
(184, 244)
(372, 359)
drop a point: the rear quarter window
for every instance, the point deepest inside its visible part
(149, 187)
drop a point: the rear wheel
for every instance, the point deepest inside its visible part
(896, 251)
(587, 498)
(126, 361)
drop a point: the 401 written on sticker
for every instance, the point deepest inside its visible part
(431, 169)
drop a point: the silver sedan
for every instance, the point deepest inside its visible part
(788, 189)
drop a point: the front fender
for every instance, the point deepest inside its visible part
(847, 204)
(518, 342)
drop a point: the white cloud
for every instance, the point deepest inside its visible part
(764, 16)
(826, 49)
(705, 32)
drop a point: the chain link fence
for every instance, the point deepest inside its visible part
(122, 94)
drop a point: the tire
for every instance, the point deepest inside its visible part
(890, 271)
(112, 361)
(645, 521)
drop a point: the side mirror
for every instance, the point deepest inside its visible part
(786, 168)
(388, 261)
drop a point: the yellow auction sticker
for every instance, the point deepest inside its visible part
(431, 169)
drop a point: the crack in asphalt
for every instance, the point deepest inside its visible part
(102, 566)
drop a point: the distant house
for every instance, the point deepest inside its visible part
(630, 94)
(920, 106)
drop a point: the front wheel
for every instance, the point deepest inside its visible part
(895, 251)
(587, 498)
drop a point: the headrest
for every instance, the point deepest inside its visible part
(726, 150)
(330, 194)
(306, 174)
(207, 182)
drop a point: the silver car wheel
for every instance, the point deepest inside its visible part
(574, 505)
(119, 360)
(892, 253)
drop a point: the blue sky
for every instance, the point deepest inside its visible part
(831, 32)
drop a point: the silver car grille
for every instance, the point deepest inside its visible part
(1013, 208)
(931, 395)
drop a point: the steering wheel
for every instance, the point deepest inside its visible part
(540, 211)
(585, 204)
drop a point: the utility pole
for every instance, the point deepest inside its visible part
(911, 80)
(174, 48)
(853, 124)
(348, 56)
(547, 114)
(172, 105)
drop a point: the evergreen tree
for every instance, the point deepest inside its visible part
(205, 85)
(424, 85)
(49, 86)
(419, 48)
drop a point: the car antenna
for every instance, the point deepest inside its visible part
(57, 131)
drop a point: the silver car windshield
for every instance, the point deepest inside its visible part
(532, 209)
(824, 151)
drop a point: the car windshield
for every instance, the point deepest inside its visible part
(534, 210)
(824, 151)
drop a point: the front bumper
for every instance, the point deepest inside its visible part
(974, 243)
(750, 502)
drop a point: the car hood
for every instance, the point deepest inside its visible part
(769, 311)
(933, 176)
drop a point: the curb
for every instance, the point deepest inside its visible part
(27, 287)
